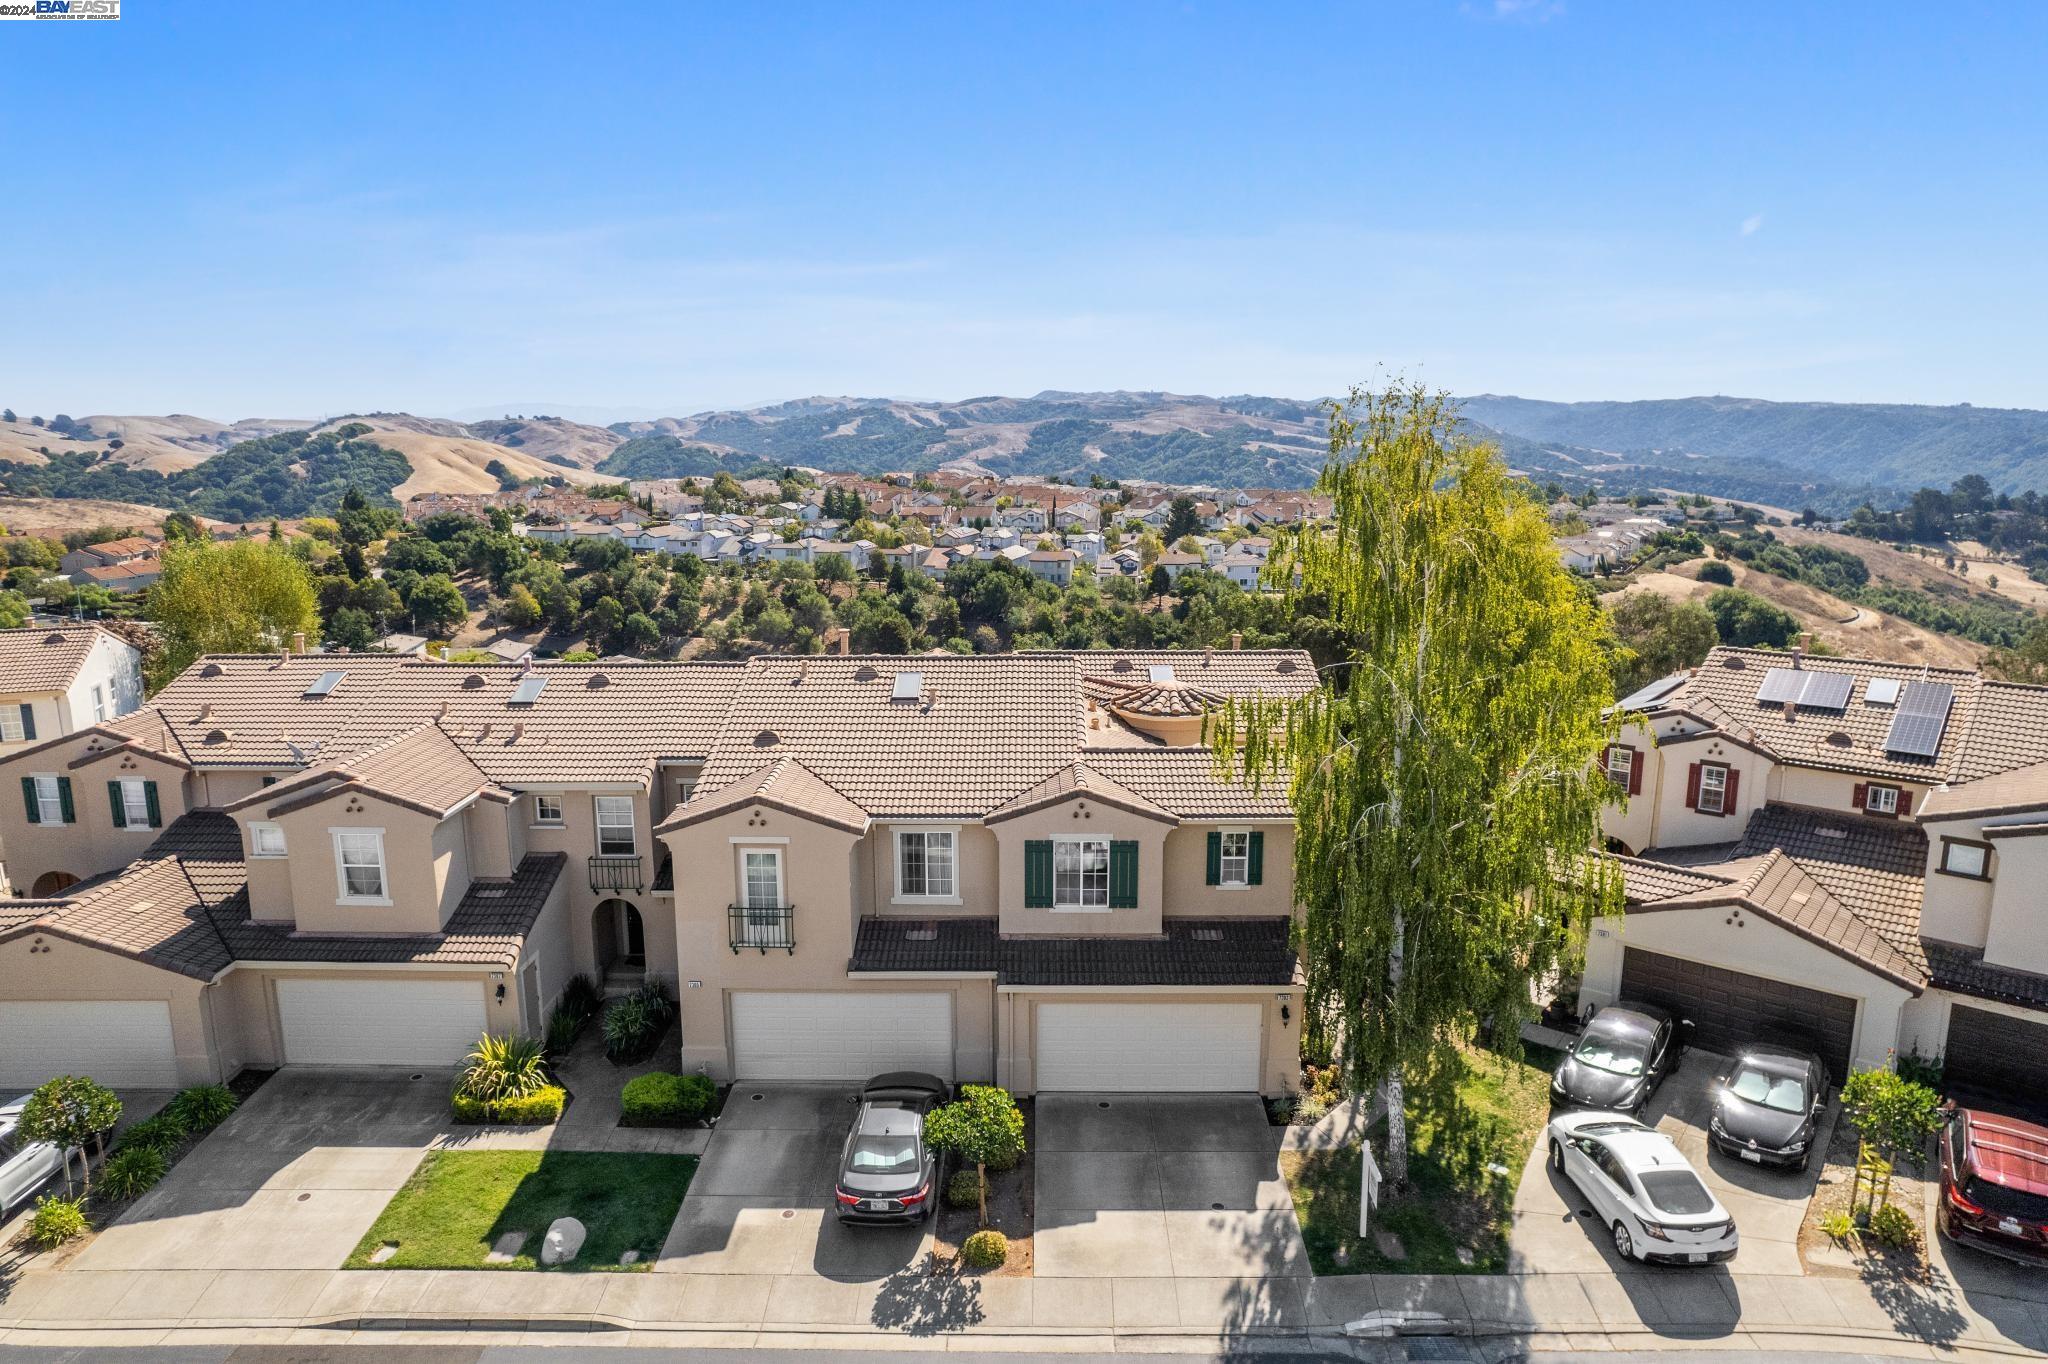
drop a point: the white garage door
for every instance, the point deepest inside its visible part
(1149, 1048)
(846, 1036)
(117, 1042)
(379, 1022)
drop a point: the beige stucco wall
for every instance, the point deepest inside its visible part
(1835, 790)
(1676, 826)
(52, 715)
(1632, 822)
(576, 836)
(426, 865)
(1187, 894)
(2018, 933)
(548, 946)
(1280, 1043)
(69, 970)
(1957, 909)
(1082, 817)
(977, 865)
(90, 844)
(1759, 948)
(219, 788)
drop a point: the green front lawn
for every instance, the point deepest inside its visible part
(1485, 1113)
(458, 1203)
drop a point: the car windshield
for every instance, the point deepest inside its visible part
(1620, 1055)
(1678, 1192)
(1786, 1093)
(883, 1155)
(2000, 1201)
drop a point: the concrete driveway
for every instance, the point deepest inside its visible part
(1555, 1233)
(291, 1181)
(1132, 1187)
(759, 1204)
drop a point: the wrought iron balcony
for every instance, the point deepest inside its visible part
(616, 873)
(762, 927)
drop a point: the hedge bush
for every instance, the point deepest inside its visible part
(133, 1171)
(204, 1107)
(985, 1250)
(56, 1220)
(963, 1190)
(664, 1100)
(537, 1109)
(163, 1134)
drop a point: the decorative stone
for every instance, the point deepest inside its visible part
(1390, 1246)
(383, 1252)
(631, 1257)
(564, 1240)
(506, 1248)
(1466, 1257)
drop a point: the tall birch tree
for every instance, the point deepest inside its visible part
(1445, 778)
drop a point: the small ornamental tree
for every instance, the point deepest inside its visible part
(67, 1112)
(1891, 1112)
(984, 1126)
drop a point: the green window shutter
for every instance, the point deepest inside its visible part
(64, 800)
(1038, 873)
(120, 810)
(156, 811)
(28, 721)
(28, 796)
(1215, 860)
(1256, 863)
(1123, 874)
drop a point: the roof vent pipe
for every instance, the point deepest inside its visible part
(526, 665)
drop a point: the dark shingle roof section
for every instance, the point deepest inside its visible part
(1964, 970)
(954, 946)
(1191, 952)
(1876, 867)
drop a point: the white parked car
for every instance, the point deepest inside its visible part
(1642, 1190)
(25, 1167)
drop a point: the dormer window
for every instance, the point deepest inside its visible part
(359, 866)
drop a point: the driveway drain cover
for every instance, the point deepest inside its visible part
(789, 1212)
(757, 1097)
(304, 1196)
(1103, 1104)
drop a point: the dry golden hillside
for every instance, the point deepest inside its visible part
(1844, 627)
(166, 444)
(446, 461)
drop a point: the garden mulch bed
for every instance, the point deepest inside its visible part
(1865, 1255)
(1011, 1209)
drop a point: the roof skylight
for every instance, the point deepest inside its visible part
(325, 683)
(909, 687)
(528, 690)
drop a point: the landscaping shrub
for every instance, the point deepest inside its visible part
(537, 1109)
(163, 1134)
(985, 1250)
(204, 1107)
(1839, 1226)
(634, 1024)
(984, 1126)
(1891, 1225)
(56, 1220)
(133, 1171)
(654, 997)
(1925, 1071)
(665, 1100)
(562, 1029)
(963, 1190)
(1714, 571)
(502, 1066)
(581, 999)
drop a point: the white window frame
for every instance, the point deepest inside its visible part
(1243, 880)
(951, 894)
(774, 856)
(1719, 772)
(1880, 800)
(540, 810)
(1948, 849)
(597, 809)
(134, 804)
(1083, 905)
(343, 895)
(49, 799)
(1626, 772)
(10, 724)
(261, 841)
(99, 702)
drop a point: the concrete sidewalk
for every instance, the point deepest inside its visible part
(1690, 1306)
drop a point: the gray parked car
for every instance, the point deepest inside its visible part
(25, 1167)
(886, 1172)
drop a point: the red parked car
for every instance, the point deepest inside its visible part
(1994, 1184)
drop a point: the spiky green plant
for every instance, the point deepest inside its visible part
(502, 1066)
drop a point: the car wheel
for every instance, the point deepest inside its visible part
(1624, 1244)
(1556, 1156)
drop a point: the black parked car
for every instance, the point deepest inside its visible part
(1622, 1055)
(886, 1172)
(1767, 1106)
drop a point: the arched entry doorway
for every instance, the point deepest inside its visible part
(52, 883)
(618, 936)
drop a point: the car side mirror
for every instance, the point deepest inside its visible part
(1720, 1079)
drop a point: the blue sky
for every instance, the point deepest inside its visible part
(623, 209)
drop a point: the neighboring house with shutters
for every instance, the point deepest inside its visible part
(55, 680)
(1018, 867)
(1838, 850)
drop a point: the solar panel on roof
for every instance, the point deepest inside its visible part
(324, 684)
(1656, 691)
(1922, 715)
(1780, 685)
(1826, 691)
(909, 687)
(1882, 691)
(528, 690)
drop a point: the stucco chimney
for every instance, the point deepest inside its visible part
(298, 641)
(1236, 639)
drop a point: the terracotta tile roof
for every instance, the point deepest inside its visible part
(251, 710)
(952, 946)
(1876, 867)
(1184, 781)
(2006, 727)
(1235, 951)
(420, 768)
(1224, 672)
(1079, 779)
(42, 658)
(783, 784)
(1168, 700)
(130, 545)
(1646, 882)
